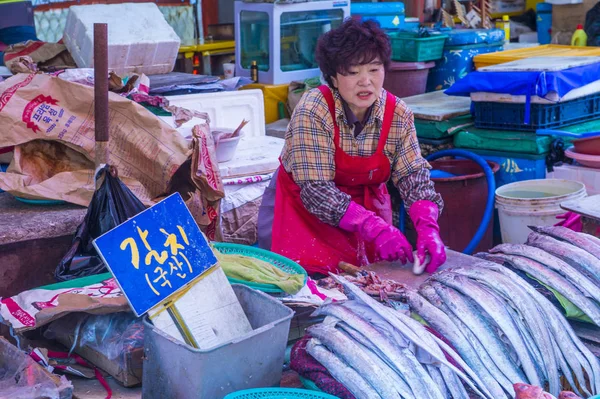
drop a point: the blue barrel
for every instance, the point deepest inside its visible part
(461, 46)
(544, 22)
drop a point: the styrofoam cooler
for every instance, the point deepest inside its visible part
(139, 38)
(461, 46)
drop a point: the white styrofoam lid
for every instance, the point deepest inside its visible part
(225, 109)
(541, 64)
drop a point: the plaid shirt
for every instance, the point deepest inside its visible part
(309, 153)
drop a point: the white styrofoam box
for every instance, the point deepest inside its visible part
(50, 24)
(254, 156)
(139, 38)
(256, 153)
(225, 109)
(588, 176)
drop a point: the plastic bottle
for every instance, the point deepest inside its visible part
(579, 37)
(506, 27)
(254, 72)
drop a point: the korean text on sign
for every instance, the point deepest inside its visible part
(156, 253)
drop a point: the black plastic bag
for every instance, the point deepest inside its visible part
(592, 25)
(556, 156)
(112, 204)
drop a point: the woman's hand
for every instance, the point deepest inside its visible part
(390, 243)
(424, 215)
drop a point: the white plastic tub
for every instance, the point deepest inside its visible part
(225, 147)
(533, 203)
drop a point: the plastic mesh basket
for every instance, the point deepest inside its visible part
(281, 262)
(408, 46)
(278, 393)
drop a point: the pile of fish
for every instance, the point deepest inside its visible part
(490, 326)
(380, 353)
(370, 283)
(504, 328)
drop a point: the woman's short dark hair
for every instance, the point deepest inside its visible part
(355, 42)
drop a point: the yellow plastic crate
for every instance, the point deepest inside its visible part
(548, 50)
(273, 95)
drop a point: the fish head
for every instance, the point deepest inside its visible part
(526, 391)
(568, 395)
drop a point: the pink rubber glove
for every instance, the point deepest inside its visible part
(424, 215)
(390, 243)
(571, 220)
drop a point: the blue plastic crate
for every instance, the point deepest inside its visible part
(511, 116)
(3, 168)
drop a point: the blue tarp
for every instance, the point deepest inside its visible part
(535, 83)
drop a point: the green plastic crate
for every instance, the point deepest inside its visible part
(408, 46)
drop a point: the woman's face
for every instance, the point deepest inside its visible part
(361, 86)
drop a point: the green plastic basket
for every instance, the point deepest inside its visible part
(279, 393)
(276, 260)
(408, 46)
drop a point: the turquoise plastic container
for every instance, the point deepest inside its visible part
(390, 15)
(544, 22)
(279, 393)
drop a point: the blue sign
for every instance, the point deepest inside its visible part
(156, 253)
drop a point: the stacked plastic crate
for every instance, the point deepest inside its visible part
(513, 102)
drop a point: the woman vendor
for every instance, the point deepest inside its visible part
(328, 201)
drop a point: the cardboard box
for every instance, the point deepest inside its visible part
(127, 368)
(565, 19)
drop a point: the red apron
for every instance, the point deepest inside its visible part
(315, 245)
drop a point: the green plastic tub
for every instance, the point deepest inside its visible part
(408, 46)
(438, 130)
(521, 142)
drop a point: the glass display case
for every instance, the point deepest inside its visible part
(282, 38)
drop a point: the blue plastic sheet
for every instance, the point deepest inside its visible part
(526, 83)
(536, 83)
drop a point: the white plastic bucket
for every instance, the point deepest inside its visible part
(533, 203)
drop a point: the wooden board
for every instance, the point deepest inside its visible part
(403, 274)
(588, 206)
(437, 106)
